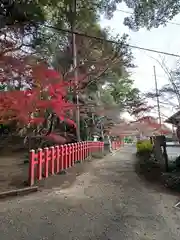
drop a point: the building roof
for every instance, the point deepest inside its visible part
(147, 125)
(174, 119)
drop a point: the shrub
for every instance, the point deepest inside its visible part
(144, 146)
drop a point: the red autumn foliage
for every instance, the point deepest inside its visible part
(152, 122)
(45, 89)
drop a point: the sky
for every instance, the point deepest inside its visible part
(164, 39)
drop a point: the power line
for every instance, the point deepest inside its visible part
(111, 41)
(127, 12)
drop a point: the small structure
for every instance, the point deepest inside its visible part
(175, 121)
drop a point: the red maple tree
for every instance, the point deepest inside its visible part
(45, 89)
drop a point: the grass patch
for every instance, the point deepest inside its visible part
(144, 146)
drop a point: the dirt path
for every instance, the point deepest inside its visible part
(108, 202)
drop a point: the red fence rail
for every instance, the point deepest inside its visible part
(50, 161)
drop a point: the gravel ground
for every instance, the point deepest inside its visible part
(108, 202)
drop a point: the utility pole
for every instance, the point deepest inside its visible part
(74, 55)
(157, 97)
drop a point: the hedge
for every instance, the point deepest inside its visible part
(144, 146)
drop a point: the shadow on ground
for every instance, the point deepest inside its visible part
(14, 173)
(152, 174)
(68, 177)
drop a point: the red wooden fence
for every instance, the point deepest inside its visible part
(116, 145)
(50, 161)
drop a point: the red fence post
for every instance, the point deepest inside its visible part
(73, 154)
(92, 147)
(32, 156)
(76, 152)
(39, 171)
(46, 160)
(86, 150)
(62, 157)
(83, 148)
(89, 148)
(83, 151)
(52, 159)
(69, 155)
(65, 156)
(57, 156)
(79, 151)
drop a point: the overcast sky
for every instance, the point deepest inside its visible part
(163, 39)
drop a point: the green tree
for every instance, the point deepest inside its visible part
(124, 94)
(145, 13)
(151, 13)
